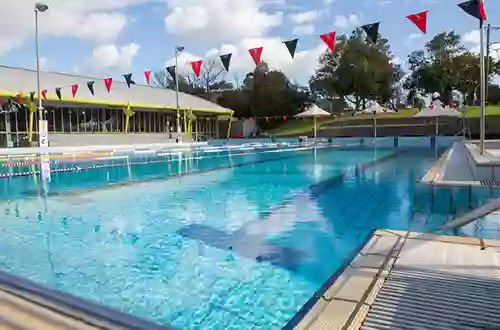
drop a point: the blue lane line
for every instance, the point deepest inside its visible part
(254, 246)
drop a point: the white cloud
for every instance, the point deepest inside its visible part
(307, 29)
(223, 19)
(414, 36)
(344, 22)
(472, 37)
(275, 54)
(396, 60)
(328, 2)
(304, 17)
(109, 58)
(98, 21)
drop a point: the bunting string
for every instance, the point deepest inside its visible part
(474, 8)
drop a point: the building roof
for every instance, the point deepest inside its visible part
(14, 81)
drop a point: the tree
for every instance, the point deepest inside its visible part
(445, 66)
(211, 72)
(357, 71)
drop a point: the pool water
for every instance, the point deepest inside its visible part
(210, 239)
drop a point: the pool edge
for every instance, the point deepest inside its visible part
(72, 307)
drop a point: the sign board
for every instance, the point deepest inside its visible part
(45, 169)
(43, 133)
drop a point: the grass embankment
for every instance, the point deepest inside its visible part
(305, 126)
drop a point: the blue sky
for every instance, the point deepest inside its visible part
(110, 37)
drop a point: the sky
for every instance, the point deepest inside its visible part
(101, 38)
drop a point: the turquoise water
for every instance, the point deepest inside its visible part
(213, 239)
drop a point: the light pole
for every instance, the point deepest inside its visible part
(177, 51)
(39, 7)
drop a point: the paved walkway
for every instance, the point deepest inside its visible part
(404, 280)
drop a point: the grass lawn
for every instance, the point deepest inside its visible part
(299, 126)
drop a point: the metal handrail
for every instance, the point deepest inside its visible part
(473, 215)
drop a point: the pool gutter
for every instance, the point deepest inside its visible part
(57, 308)
(347, 302)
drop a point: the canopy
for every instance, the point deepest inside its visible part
(375, 108)
(314, 111)
(437, 110)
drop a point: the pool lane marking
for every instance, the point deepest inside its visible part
(170, 177)
(239, 240)
(79, 169)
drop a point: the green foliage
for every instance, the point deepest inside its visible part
(357, 71)
(445, 66)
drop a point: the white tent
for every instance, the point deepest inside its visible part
(436, 109)
(314, 111)
(375, 109)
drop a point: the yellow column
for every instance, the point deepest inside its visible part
(229, 126)
(128, 113)
(32, 109)
(185, 121)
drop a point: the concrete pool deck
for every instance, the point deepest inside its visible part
(406, 280)
(27, 305)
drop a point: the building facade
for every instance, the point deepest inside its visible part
(123, 114)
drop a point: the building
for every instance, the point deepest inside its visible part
(139, 114)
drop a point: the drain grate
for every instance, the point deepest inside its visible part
(415, 299)
(490, 183)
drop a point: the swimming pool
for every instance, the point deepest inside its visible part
(214, 238)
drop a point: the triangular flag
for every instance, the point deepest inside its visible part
(128, 79)
(58, 93)
(90, 86)
(108, 82)
(19, 99)
(256, 54)
(329, 39)
(32, 96)
(372, 31)
(196, 65)
(147, 74)
(474, 8)
(74, 89)
(171, 70)
(226, 60)
(291, 45)
(44, 94)
(420, 20)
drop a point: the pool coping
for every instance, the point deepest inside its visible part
(346, 302)
(71, 307)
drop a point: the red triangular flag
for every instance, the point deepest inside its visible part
(420, 20)
(108, 82)
(147, 74)
(256, 53)
(482, 11)
(329, 39)
(196, 65)
(19, 99)
(44, 94)
(74, 89)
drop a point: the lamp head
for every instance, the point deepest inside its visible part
(41, 7)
